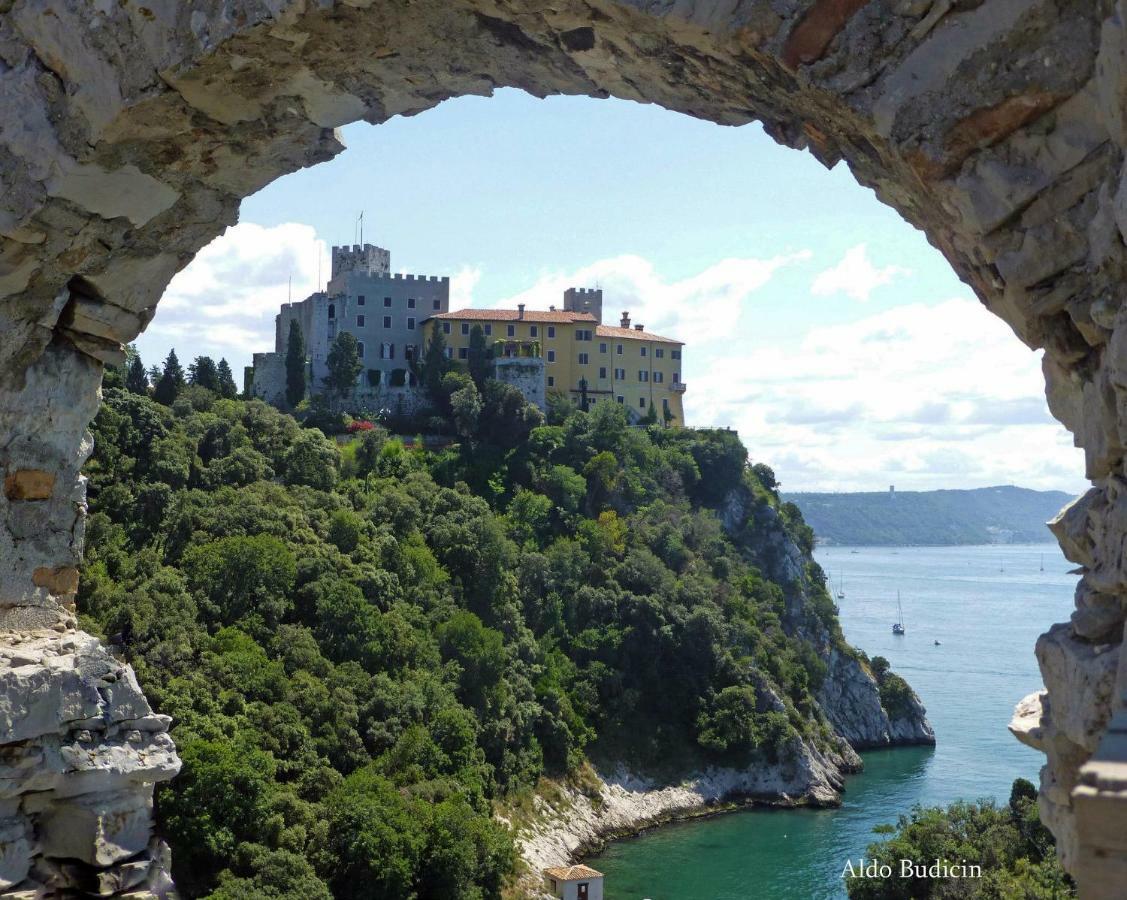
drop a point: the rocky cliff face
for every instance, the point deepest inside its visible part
(82, 752)
(849, 695)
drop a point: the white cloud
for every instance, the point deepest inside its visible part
(920, 395)
(224, 302)
(855, 276)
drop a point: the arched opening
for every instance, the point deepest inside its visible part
(119, 172)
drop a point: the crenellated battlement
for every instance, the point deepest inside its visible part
(588, 300)
(369, 259)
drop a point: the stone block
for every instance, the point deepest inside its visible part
(29, 484)
(97, 829)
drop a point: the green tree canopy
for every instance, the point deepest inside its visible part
(344, 364)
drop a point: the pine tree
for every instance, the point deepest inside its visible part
(227, 387)
(203, 372)
(344, 364)
(295, 365)
(478, 357)
(171, 381)
(136, 380)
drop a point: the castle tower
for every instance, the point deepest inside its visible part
(588, 300)
(368, 260)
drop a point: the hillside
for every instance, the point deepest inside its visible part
(367, 649)
(1007, 515)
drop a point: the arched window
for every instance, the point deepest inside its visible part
(360, 349)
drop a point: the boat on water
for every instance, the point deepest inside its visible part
(841, 587)
(898, 625)
(937, 642)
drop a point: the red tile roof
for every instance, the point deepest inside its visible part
(613, 331)
(572, 873)
(513, 315)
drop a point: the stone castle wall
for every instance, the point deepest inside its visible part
(130, 134)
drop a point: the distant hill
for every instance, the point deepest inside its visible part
(993, 515)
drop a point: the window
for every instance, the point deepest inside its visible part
(644, 350)
(643, 375)
(410, 323)
(387, 351)
(620, 399)
(465, 328)
(359, 299)
(437, 304)
(360, 349)
(583, 334)
(359, 321)
(659, 353)
(551, 356)
(445, 327)
(332, 310)
(676, 377)
(584, 358)
(620, 374)
(410, 302)
(463, 352)
(618, 349)
(551, 331)
(675, 354)
(488, 328)
(449, 352)
(602, 371)
(387, 301)
(511, 330)
(602, 348)
(410, 351)
(387, 321)
(551, 381)
(642, 402)
(535, 331)
(659, 377)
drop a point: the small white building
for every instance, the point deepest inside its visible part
(574, 882)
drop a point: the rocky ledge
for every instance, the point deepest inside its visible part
(81, 752)
(573, 819)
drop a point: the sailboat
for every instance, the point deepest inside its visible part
(898, 625)
(1042, 562)
(841, 587)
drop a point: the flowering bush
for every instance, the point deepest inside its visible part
(359, 425)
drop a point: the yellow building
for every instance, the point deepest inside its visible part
(624, 363)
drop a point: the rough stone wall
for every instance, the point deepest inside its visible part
(526, 374)
(131, 129)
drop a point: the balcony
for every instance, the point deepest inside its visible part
(678, 386)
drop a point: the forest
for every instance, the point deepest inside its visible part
(366, 645)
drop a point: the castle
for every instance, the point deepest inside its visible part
(566, 351)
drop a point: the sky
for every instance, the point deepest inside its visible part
(818, 323)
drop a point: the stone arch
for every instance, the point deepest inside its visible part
(132, 129)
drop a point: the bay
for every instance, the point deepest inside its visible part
(986, 605)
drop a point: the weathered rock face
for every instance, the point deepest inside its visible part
(849, 696)
(130, 131)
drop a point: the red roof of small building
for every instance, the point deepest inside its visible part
(572, 873)
(513, 315)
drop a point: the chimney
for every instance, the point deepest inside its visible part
(639, 327)
(520, 310)
(625, 323)
(552, 308)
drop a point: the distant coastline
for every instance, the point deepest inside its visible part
(992, 515)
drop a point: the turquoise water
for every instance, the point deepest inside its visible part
(986, 605)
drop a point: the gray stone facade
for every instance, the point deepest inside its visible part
(383, 311)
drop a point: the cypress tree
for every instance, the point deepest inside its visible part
(203, 372)
(227, 387)
(478, 357)
(136, 379)
(295, 365)
(171, 380)
(435, 365)
(344, 364)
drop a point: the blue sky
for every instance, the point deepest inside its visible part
(820, 324)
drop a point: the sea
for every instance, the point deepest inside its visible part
(985, 605)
